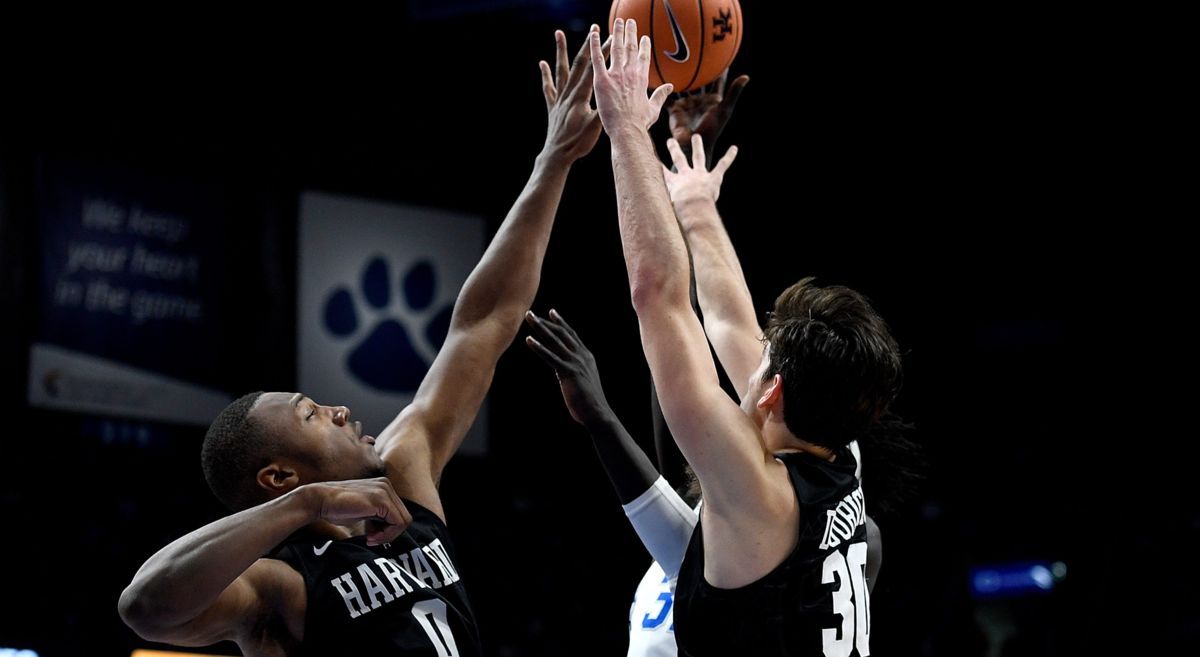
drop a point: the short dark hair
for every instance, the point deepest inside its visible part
(235, 448)
(839, 362)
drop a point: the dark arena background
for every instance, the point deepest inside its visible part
(956, 184)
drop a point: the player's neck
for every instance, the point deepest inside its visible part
(794, 444)
(817, 450)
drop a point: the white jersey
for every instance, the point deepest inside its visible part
(651, 618)
(664, 523)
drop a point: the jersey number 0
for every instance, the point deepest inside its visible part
(431, 614)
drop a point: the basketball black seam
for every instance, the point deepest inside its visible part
(652, 30)
(700, 57)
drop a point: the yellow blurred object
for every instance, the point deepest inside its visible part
(159, 653)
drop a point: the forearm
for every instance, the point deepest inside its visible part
(655, 256)
(665, 524)
(502, 286)
(628, 467)
(184, 578)
(722, 292)
(720, 283)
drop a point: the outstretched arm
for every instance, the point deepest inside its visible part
(659, 516)
(724, 297)
(213, 584)
(705, 112)
(557, 343)
(746, 491)
(487, 314)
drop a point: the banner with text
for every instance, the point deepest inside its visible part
(129, 312)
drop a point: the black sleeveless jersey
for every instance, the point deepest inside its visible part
(815, 603)
(400, 598)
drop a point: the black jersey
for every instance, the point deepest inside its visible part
(400, 598)
(815, 603)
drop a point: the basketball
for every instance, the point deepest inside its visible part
(694, 41)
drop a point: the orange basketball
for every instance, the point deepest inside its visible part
(694, 41)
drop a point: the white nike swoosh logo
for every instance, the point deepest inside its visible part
(321, 550)
(681, 47)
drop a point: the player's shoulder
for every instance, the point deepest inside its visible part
(406, 432)
(424, 516)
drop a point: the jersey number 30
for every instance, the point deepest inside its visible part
(851, 601)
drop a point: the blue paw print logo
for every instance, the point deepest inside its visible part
(393, 338)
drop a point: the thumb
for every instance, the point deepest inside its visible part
(659, 97)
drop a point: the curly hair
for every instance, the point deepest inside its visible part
(235, 448)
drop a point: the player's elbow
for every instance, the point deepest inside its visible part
(141, 614)
(651, 291)
(644, 295)
(136, 612)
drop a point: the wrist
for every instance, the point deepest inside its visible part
(693, 205)
(629, 134)
(305, 502)
(600, 421)
(553, 158)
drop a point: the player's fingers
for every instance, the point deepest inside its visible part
(677, 156)
(563, 70)
(643, 59)
(552, 359)
(546, 333)
(578, 65)
(657, 99)
(548, 89)
(598, 62)
(556, 316)
(699, 159)
(555, 326)
(723, 164)
(735, 92)
(619, 48)
(631, 41)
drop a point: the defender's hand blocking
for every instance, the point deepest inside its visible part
(559, 345)
(574, 126)
(372, 500)
(705, 112)
(690, 183)
(621, 87)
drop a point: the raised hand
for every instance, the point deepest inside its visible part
(705, 112)
(559, 345)
(693, 182)
(574, 127)
(621, 87)
(372, 500)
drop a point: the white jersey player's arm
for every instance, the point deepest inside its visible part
(664, 522)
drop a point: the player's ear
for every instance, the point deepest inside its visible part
(773, 393)
(277, 478)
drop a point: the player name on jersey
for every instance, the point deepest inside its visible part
(364, 589)
(841, 522)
